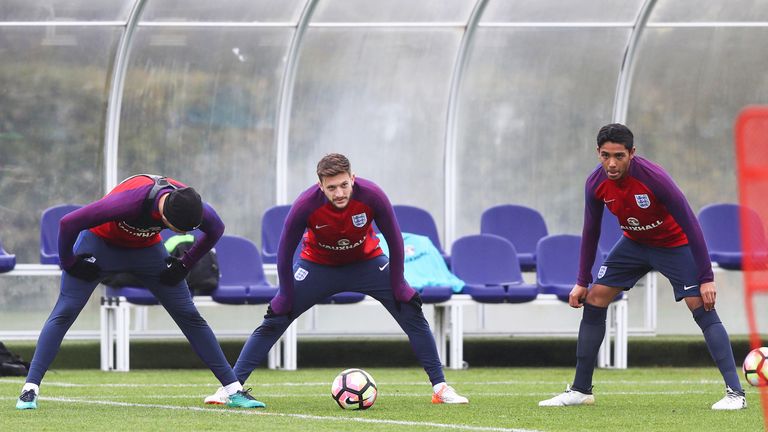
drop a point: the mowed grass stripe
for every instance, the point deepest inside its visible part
(388, 395)
(637, 399)
(380, 383)
(290, 415)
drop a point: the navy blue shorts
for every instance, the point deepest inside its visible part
(629, 261)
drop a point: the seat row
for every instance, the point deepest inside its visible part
(521, 226)
(487, 263)
(524, 227)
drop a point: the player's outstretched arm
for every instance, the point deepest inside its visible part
(293, 231)
(577, 296)
(119, 206)
(212, 228)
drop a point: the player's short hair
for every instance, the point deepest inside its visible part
(615, 132)
(333, 164)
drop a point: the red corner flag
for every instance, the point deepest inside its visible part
(752, 160)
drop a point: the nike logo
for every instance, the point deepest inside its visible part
(320, 226)
(383, 267)
(609, 201)
(686, 288)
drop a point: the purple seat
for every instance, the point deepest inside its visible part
(522, 226)
(271, 227)
(49, 232)
(557, 265)
(7, 261)
(436, 294)
(610, 234)
(134, 295)
(416, 220)
(138, 294)
(489, 266)
(721, 225)
(242, 273)
(345, 297)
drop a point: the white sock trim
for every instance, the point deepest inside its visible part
(31, 386)
(233, 388)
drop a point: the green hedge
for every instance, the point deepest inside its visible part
(478, 352)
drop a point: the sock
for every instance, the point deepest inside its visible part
(591, 333)
(719, 346)
(439, 386)
(233, 388)
(31, 386)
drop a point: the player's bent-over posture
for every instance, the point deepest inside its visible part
(121, 233)
(341, 253)
(660, 233)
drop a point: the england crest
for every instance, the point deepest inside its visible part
(642, 200)
(300, 274)
(359, 220)
(601, 272)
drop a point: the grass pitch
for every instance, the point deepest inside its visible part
(636, 399)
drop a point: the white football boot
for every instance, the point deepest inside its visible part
(447, 395)
(568, 398)
(219, 398)
(733, 400)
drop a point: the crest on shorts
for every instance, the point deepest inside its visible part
(300, 274)
(642, 200)
(359, 220)
(601, 272)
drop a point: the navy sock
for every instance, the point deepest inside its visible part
(719, 345)
(591, 333)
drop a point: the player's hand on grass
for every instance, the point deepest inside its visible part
(174, 273)
(84, 267)
(708, 294)
(577, 296)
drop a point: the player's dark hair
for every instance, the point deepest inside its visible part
(333, 164)
(615, 132)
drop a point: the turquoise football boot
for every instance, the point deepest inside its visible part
(243, 399)
(27, 400)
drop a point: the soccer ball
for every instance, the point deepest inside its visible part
(354, 389)
(756, 367)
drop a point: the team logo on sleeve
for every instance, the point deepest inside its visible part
(300, 274)
(359, 220)
(642, 200)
